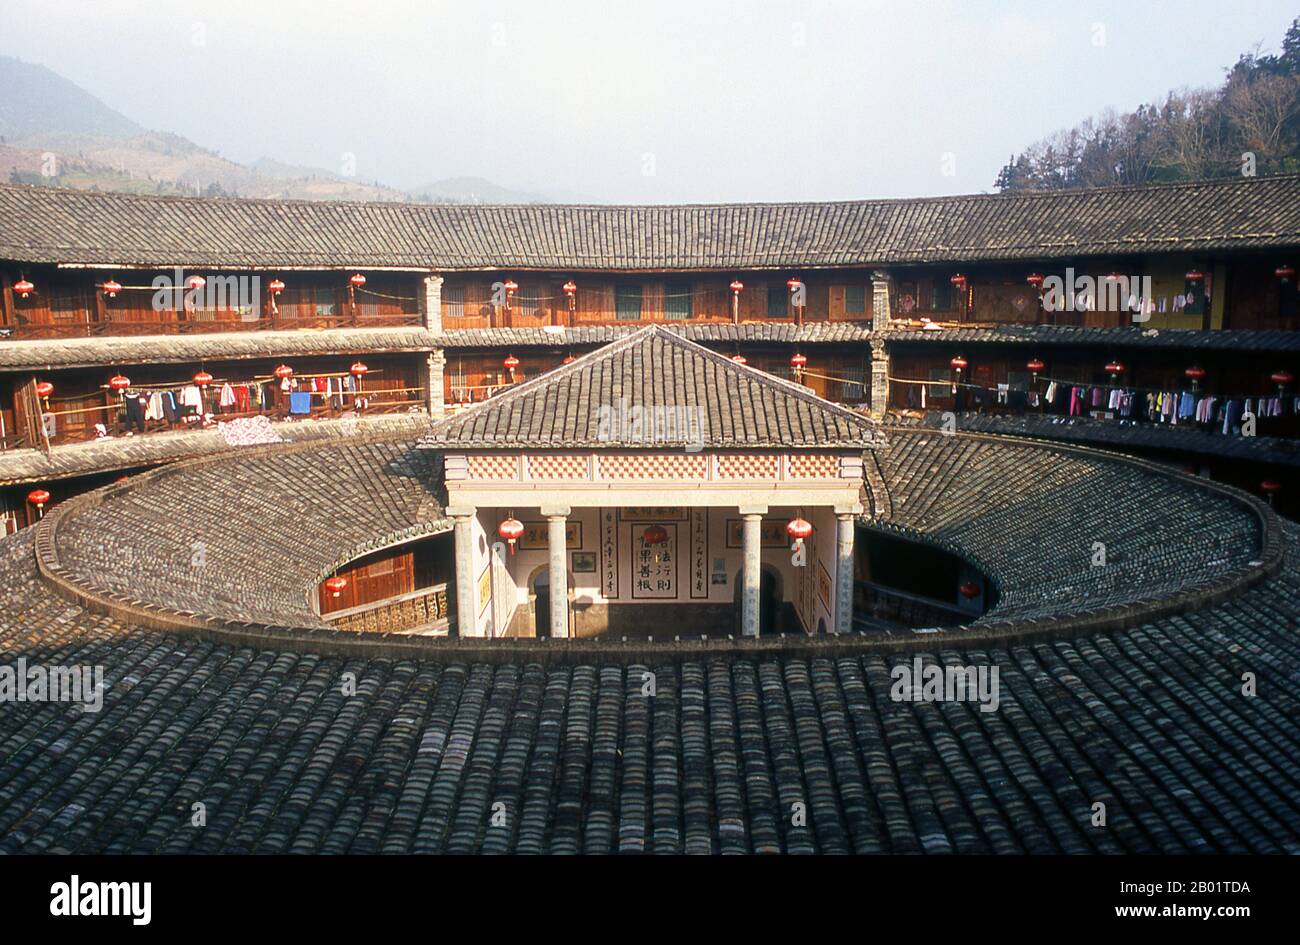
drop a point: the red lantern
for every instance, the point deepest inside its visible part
(1035, 366)
(1035, 279)
(111, 287)
(38, 498)
(1114, 368)
(119, 382)
(798, 530)
(570, 288)
(195, 282)
(203, 379)
(275, 287)
(740, 359)
(655, 535)
(1270, 485)
(357, 280)
(969, 590)
(284, 372)
(798, 362)
(510, 363)
(1282, 378)
(793, 283)
(24, 288)
(1195, 374)
(1285, 272)
(336, 585)
(511, 530)
(43, 390)
(958, 280)
(1194, 275)
(737, 286)
(959, 364)
(358, 369)
(569, 359)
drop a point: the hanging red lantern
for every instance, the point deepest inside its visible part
(275, 287)
(1285, 272)
(1114, 368)
(43, 391)
(510, 363)
(38, 497)
(511, 530)
(202, 379)
(336, 585)
(1035, 366)
(1282, 378)
(1270, 485)
(798, 529)
(357, 280)
(794, 283)
(24, 288)
(569, 359)
(195, 282)
(111, 287)
(655, 535)
(570, 289)
(1194, 275)
(1195, 374)
(737, 286)
(1035, 279)
(959, 364)
(283, 372)
(969, 590)
(740, 359)
(358, 369)
(119, 382)
(798, 362)
(958, 280)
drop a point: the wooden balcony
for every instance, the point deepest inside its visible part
(424, 612)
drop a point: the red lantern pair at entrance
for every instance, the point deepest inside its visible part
(511, 530)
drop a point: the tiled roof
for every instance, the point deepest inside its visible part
(39, 224)
(227, 346)
(1134, 337)
(1145, 436)
(122, 452)
(1146, 721)
(729, 405)
(783, 333)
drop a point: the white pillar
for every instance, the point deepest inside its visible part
(556, 528)
(430, 302)
(466, 587)
(437, 367)
(844, 534)
(751, 575)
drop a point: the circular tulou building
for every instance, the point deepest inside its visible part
(649, 598)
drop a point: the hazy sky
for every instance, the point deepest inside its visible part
(660, 101)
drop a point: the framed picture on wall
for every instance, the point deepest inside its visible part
(584, 562)
(535, 536)
(771, 535)
(652, 514)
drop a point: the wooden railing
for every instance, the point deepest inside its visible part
(892, 606)
(424, 611)
(485, 316)
(219, 322)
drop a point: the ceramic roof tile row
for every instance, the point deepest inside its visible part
(448, 757)
(39, 224)
(1131, 337)
(1109, 433)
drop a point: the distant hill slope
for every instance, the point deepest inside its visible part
(54, 133)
